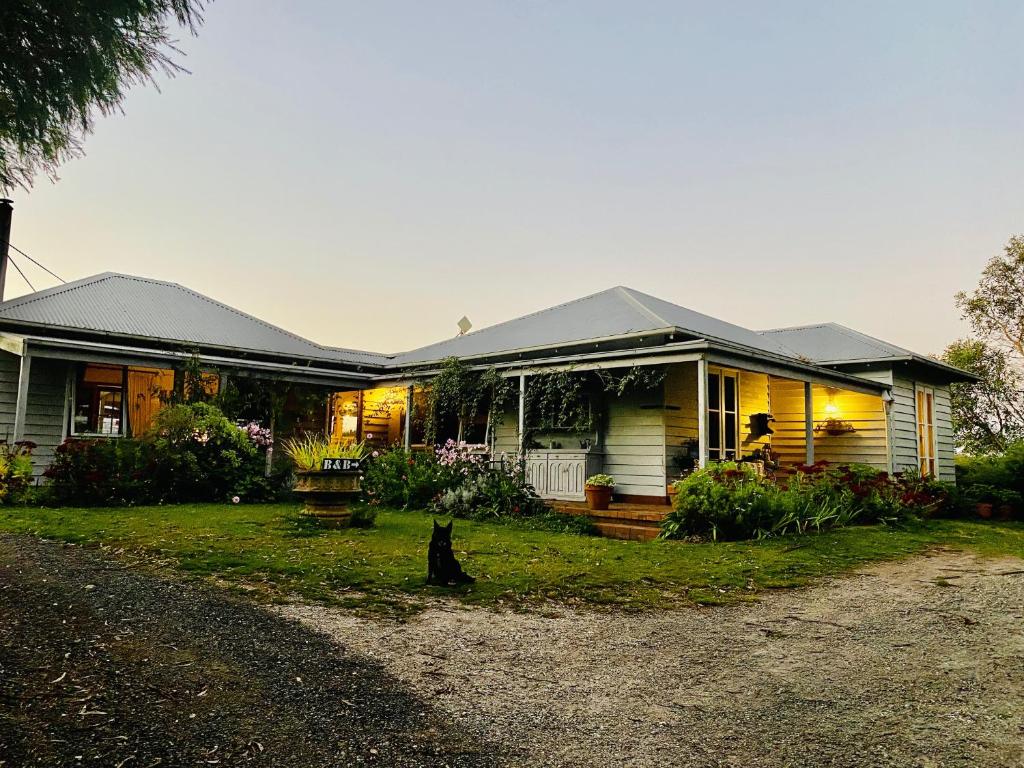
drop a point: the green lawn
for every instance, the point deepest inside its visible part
(277, 551)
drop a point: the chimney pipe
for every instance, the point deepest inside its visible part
(6, 211)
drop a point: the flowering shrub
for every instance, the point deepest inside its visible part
(259, 435)
(729, 501)
(498, 490)
(454, 479)
(192, 453)
(15, 469)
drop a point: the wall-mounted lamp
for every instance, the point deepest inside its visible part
(830, 407)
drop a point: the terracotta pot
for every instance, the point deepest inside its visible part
(598, 496)
(672, 492)
(984, 510)
(328, 496)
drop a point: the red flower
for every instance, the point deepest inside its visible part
(411, 462)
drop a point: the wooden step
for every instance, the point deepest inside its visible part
(629, 532)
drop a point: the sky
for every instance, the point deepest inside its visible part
(365, 174)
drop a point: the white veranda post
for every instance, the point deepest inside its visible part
(809, 422)
(522, 412)
(407, 437)
(702, 412)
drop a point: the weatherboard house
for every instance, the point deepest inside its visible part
(99, 356)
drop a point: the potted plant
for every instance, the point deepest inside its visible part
(598, 490)
(1006, 501)
(327, 477)
(983, 497)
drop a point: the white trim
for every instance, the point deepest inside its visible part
(932, 427)
(702, 412)
(21, 403)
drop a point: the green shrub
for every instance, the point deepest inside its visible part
(15, 470)
(404, 479)
(98, 472)
(731, 501)
(191, 454)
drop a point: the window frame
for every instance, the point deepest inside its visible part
(926, 432)
(73, 403)
(721, 413)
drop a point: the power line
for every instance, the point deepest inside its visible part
(47, 271)
(14, 264)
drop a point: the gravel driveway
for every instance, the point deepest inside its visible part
(914, 663)
(101, 665)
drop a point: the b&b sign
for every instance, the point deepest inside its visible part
(339, 465)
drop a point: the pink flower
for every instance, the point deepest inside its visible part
(375, 454)
(235, 499)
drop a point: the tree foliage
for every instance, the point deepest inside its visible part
(64, 62)
(989, 415)
(995, 309)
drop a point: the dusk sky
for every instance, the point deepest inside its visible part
(364, 174)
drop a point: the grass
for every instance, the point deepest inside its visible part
(278, 551)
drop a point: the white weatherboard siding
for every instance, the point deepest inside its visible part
(946, 449)
(754, 398)
(10, 365)
(680, 409)
(634, 443)
(787, 401)
(46, 409)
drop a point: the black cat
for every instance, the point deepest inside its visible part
(442, 567)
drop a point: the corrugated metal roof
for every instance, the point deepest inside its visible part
(834, 343)
(138, 307)
(613, 313)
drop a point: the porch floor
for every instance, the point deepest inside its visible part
(622, 520)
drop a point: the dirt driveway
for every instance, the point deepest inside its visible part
(916, 663)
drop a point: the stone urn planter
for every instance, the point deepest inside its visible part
(328, 494)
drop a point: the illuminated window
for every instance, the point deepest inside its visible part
(723, 415)
(926, 430)
(99, 401)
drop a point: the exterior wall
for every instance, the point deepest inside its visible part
(10, 366)
(754, 398)
(680, 410)
(787, 406)
(634, 443)
(45, 410)
(902, 423)
(867, 445)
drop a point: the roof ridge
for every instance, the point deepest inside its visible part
(629, 294)
(855, 334)
(55, 290)
(515, 319)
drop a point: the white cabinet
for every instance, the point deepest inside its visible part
(561, 473)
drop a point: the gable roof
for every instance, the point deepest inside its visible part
(832, 344)
(615, 313)
(141, 308)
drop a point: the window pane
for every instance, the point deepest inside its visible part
(98, 400)
(714, 433)
(730, 431)
(729, 383)
(109, 411)
(714, 396)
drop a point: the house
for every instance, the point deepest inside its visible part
(99, 356)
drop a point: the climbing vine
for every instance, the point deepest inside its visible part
(459, 393)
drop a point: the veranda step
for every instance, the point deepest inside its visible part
(629, 532)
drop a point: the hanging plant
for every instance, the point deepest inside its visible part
(558, 401)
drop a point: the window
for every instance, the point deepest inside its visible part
(99, 401)
(926, 430)
(723, 415)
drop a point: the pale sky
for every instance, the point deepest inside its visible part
(366, 173)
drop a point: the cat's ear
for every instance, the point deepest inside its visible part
(449, 526)
(436, 526)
